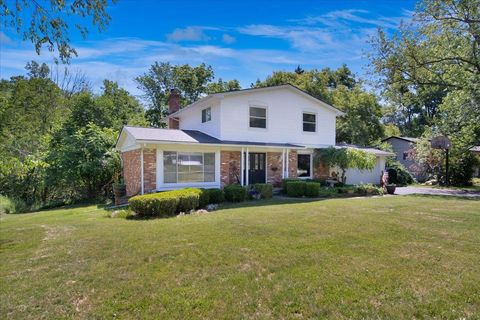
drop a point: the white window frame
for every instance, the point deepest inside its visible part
(311, 164)
(266, 116)
(210, 113)
(316, 121)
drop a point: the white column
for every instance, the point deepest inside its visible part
(141, 171)
(283, 163)
(242, 168)
(286, 173)
(247, 167)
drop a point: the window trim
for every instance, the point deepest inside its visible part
(210, 113)
(311, 164)
(316, 121)
(266, 116)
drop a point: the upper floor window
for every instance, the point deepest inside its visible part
(309, 122)
(206, 114)
(258, 117)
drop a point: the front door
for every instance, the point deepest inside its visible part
(256, 168)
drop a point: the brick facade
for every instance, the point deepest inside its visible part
(274, 168)
(292, 164)
(229, 167)
(132, 167)
(321, 171)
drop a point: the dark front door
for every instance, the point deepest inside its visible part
(256, 168)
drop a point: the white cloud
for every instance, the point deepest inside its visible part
(188, 34)
(4, 39)
(228, 39)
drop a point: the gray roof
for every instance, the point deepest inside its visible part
(374, 151)
(192, 136)
(409, 139)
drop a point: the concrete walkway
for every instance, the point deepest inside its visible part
(435, 191)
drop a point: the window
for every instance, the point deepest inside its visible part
(182, 167)
(206, 115)
(405, 155)
(309, 122)
(304, 166)
(258, 117)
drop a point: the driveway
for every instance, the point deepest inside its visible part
(434, 191)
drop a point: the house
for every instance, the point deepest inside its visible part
(247, 136)
(403, 147)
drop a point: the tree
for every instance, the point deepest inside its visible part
(345, 158)
(44, 22)
(191, 82)
(433, 67)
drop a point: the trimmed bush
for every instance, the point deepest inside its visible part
(188, 199)
(161, 204)
(235, 193)
(264, 189)
(215, 196)
(312, 189)
(286, 180)
(327, 192)
(296, 188)
(368, 189)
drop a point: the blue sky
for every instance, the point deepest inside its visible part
(243, 40)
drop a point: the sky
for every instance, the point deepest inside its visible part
(245, 40)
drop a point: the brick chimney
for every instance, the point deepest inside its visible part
(173, 106)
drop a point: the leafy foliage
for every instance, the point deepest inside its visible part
(44, 22)
(345, 158)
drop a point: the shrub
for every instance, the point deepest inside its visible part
(285, 181)
(312, 189)
(398, 174)
(369, 189)
(12, 205)
(296, 188)
(156, 204)
(235, 193)
(327, 192)
(188, 199)
(215, 195)
(264, 189)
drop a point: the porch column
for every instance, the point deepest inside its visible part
(247, 165)
(283, 163)
(242, 169)
(141, 172)
(286, 173)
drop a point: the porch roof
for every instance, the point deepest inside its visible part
(158, 135)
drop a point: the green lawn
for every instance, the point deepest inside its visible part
(391, 257)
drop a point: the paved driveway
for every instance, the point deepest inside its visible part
(435, 191)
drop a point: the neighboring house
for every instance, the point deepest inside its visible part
(246, 136)
(403, 147)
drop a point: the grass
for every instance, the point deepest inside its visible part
(392, 257)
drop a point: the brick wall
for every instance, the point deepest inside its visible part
(274, 167)
(321, 171)
(149, 169)
(131, 170)
(229, 167)
(292, 164)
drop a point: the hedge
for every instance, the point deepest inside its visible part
(312, 189)
(286, 180)
(156, 204)
(215, 196)
(264, 189)
(295, 188)
(235, 193)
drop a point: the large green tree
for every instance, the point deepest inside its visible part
(431, 69)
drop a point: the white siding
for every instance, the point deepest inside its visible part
(355, 176)
(284, 118)
(191, 119)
